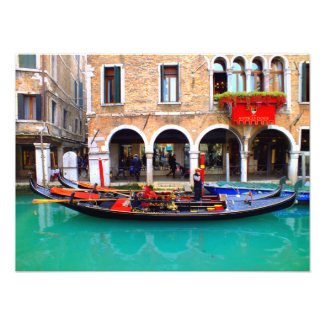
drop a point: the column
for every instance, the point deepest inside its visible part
(248, 79)
(266, 79)
(94, 167)
(229, 79)
(43, 163)
(293, 167)
(287, 87)
(211, 88)
(179, 151)
(149, 156)
(243, 166)
(60, 156)
(89, 75)
(194, 163)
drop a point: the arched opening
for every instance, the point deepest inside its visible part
(270, 154)
(257, 76)
(171, 143)
(239, 75)
(217, 144)
(219, 76)
(276, 82)
(124, 145)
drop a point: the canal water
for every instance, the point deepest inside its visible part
(50, 237)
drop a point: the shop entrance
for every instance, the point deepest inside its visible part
(171, 143)
(124, 145)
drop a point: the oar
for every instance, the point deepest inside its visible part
(38, 201)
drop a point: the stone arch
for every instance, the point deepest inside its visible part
(263, 59)
(123, 127)
(213, 127)
(283, 58)
(241, 57)
(293, 145)
(222, 57)
(170, 127)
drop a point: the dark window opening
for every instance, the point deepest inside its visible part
(112, 85)
(65, 119)
(304, 140)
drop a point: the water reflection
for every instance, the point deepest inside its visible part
(66, 240)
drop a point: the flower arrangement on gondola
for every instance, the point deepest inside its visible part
(254, 107)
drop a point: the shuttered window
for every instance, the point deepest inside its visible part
(112, 85)
(305, 91)
(80, 95)
(27, 61)
(169, 81)
(65, 119)
(29, 107)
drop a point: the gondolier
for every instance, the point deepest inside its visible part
(197, 185)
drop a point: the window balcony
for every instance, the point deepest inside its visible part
(257, 108)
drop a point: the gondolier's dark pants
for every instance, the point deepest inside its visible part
(197, 193)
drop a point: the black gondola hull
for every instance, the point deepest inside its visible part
(234, 210)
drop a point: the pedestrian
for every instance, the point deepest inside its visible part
(197, 185)
(172, 165)
(136, 164)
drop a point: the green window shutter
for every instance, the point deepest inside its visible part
(178, 83)
(303, 82)
(39, 107)
(117, 84)
(80, 95)
(21, 114)
(27, 61)
(162, 83)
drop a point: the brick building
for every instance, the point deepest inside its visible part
(154, 105)
(51, 99)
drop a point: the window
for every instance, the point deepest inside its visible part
(304, 146)
(169, 83)
(29, 107)
(219, 77)
(80, 127)
(257, 80)
(53, 115)
(27, 61)
(112, 85)
(65, 119)
(76, 125)
(238, 76)
(76, 92)
(276, 75)
(80, 101)
(305, 91)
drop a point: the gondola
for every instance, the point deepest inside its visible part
(234, 196)
(303, 197)
(127, 207)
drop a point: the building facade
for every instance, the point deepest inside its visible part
(156, 105)
(50, 110)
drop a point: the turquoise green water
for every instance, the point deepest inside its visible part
(50, 237)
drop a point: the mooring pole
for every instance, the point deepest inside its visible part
(227, 167)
